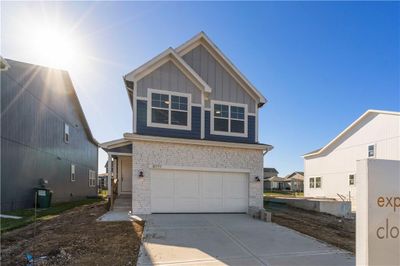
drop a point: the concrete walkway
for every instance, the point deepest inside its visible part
(231, 239)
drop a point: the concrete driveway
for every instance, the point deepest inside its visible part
(231, 239)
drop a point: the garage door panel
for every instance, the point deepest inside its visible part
(212, 205)
(211, 185)
(198, 191)
(187, 204)
(235, 186)
(235, 205)
(163, 183)
(186, 184)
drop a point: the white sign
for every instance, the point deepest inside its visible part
(378, 212)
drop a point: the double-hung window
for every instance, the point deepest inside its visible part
(371, 151)
(351, 179)
(169, 110)
(229, 119)
(312, 182)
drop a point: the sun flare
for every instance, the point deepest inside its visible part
(55, 47)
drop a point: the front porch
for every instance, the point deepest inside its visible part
(119, 170)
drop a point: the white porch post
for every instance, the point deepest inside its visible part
(109, 183)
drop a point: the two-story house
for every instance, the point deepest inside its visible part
(194, 145)
(44, 135)
(330, 172)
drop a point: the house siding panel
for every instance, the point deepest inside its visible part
(168, 77)
(142, 127)
(35, 104)
(336, 163)
(225, 87)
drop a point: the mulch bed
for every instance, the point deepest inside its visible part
(74, 238)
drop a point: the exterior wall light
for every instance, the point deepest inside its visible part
(141, 175)
(257, 179)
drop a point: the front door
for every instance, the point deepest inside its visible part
(126, 174)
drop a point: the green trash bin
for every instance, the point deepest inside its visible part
(43, 197)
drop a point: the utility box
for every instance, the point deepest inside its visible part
(43, 197)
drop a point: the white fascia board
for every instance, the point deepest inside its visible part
(368, 112)
(114, 143)
(134, 75)
(133, 137)
(182, 49)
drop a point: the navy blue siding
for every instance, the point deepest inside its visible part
(143, 129)
(251, 127)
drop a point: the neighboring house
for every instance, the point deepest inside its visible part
(44, 135)
(268, 173)
(330, 171)
(278, 183)
(296, 180)
(102, 181)
(194, 145)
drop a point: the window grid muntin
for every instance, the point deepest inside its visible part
(169, 108)
(238, 112)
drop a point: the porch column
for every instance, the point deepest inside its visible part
(109, 183)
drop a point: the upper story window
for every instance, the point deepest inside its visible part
(371, 151)
(168, 109)
(229, 119)
(66, 133)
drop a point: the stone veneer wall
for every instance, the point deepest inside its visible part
(145, 154)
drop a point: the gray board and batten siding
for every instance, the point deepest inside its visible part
(224, 86)
(170, 78)
(36, 102)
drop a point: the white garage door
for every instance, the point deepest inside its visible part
(194, 191)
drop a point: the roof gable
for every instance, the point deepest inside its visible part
(153, 64)
(32, 76)
(202, 39)
(345, 132)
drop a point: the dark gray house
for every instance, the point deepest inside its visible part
(44, 135)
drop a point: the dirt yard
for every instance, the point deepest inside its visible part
(336, 231)
(74, 238)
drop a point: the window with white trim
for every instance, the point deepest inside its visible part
(72, 173)
(371, 151)
(66, 133)
(169, 110)
(312, 184)
(318, 182)
(351, 179)
(229, 119)
(92, 178)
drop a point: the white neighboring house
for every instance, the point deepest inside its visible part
(330, 171)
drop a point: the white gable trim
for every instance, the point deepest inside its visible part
(168, 55)
(347, 129)
(202, 38)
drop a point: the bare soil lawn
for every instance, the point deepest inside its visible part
(339, 232)
(74, 238)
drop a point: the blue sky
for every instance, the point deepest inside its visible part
(320, 65)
